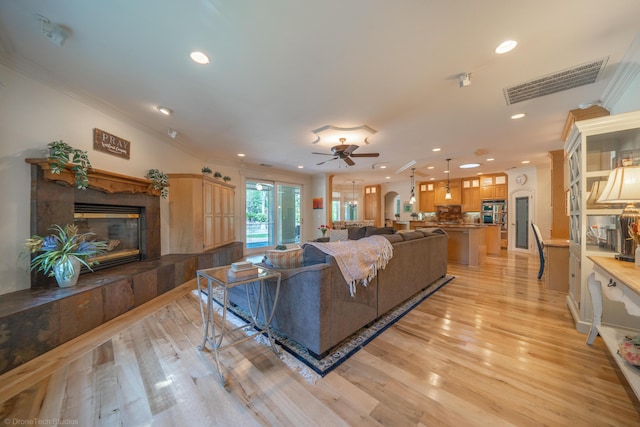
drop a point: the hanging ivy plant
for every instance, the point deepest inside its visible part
(159, 181)
(61, 154)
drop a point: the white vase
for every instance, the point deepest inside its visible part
(638, 255)
(67, 272)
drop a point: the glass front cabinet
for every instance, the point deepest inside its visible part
(593, 149)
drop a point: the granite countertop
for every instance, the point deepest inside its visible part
(450, 225)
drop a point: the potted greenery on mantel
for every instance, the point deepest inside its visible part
(61, 154)
(159, 181)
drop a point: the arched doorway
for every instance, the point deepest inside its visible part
(391, 207)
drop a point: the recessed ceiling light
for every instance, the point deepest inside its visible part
(524, 162)
(430, 167)
(383, 166)
(432, 179)
(241, 154)
(506, 46)
(436, 149)
(300, 167)
(199, 57)
(518, 116)
(469, 165)
(387, 177)
(164, 110)
(490, 159)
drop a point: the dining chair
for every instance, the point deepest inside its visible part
(540, 243)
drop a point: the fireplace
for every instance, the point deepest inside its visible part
(120, 225)
(115, 207)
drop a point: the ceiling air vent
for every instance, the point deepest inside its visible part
(567, 79)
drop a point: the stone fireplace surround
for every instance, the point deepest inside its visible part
(34, 321)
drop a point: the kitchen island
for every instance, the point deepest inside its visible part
(467, 242)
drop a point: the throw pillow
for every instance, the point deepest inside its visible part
(356, 233)
(312, 255)
(374, 231)
(411, 235)
(289, 258)
(393, 238)
(338, 235)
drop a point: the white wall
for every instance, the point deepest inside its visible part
(33, 114)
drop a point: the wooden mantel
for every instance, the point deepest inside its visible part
(107, 182)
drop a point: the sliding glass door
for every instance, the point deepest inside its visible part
(273, 213)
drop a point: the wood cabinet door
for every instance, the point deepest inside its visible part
(207, 215)
(487, 192)
(455, 190)
(471, 199)
(500, 191)
(440, 193)
(228, 220)
(426, 191)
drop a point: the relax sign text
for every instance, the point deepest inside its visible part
(107, 143)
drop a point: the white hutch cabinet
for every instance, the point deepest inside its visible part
(593, 148)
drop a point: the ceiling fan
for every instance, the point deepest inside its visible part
(345, 152)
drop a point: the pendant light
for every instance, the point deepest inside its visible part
(353, 202)
(448, 195)
(353, 193)
(412, 198)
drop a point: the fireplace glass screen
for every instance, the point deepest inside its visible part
(120, 225)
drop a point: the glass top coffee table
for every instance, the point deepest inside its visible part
(218, 282)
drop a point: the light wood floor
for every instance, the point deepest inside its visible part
(492, 348)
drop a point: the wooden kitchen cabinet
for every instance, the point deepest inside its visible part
(441, 191)
(201, 213)
(493, 186)
(427, 196)
(471, 195)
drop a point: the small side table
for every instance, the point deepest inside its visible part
(217, 278)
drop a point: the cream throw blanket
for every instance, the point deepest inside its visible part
(359, 260)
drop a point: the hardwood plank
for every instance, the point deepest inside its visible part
(493, 347)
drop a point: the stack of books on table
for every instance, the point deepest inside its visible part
(241, 271)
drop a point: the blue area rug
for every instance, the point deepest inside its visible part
(298, 357)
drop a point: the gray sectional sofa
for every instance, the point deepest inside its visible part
(315, 307)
